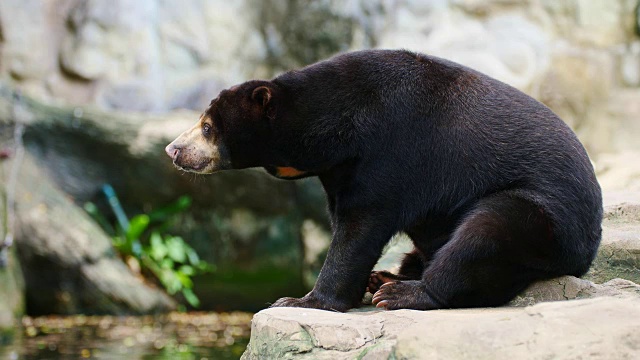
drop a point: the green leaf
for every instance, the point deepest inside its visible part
(137, 226)
(170, 281)
(194, 259)
(184, 279)
(167, 263)
(191, 298)
(172, 260)
(120, 244)
(187, 270)
(205, 267)
(157, 250)
(176, 207)
(176, 249)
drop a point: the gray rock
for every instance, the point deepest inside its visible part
(619, 252)
(27, 51)
(394, 252)
(598, 23)
(152, 56)
(602, 328)
(619, 175)
(577, 57)
(638, 19)
(12, 290)
(630, 69)
(68, 262)
(571, 288)
(576, 87)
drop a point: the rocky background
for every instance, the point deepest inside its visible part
(105, 84)
(580, 57)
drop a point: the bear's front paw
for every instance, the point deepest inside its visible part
(310, 302)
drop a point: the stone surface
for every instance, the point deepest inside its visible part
(580, 57)
(11, 280)
(577, 87)
(619, 174)
(637, 20)
(68, 262)
(601, 328)
(619, 252)
(630, 69)
(28, 52)
(11, 292)
(507, 46)
(571, 288)
(596, 329)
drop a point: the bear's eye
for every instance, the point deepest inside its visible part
(206, 130)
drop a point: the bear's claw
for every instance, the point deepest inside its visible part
(379, 278)
(403, 295)
(309, 302)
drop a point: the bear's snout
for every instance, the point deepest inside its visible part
(172, 151)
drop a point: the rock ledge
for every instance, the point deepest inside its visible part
(598, 328)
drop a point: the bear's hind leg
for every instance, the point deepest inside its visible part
(428, 236)
(411, 268)
(501, 246)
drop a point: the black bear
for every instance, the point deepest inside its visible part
(494, 190)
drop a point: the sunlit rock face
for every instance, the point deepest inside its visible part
(578, 57)
(134, 55)
(496, 333)
(508, 45)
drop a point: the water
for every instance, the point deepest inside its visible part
(173, 336)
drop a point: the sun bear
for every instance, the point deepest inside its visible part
(494, 190)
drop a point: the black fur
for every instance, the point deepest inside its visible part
(492, 187)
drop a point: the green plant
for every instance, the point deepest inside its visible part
(143, 238)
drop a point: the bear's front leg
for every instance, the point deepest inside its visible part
(357, 244)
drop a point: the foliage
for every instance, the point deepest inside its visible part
(169, 258)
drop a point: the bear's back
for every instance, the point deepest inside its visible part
(452, 129)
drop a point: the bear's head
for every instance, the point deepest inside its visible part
(230, 134)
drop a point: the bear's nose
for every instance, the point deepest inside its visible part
(172, 151)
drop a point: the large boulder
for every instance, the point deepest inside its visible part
(601, 328)
(571, 288)
(619, 176)
(619, 252)
(68, 262)
(579, 57)
(144, 55)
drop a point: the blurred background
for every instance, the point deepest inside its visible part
(98, 231)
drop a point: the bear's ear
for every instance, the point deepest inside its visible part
(261, 94)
